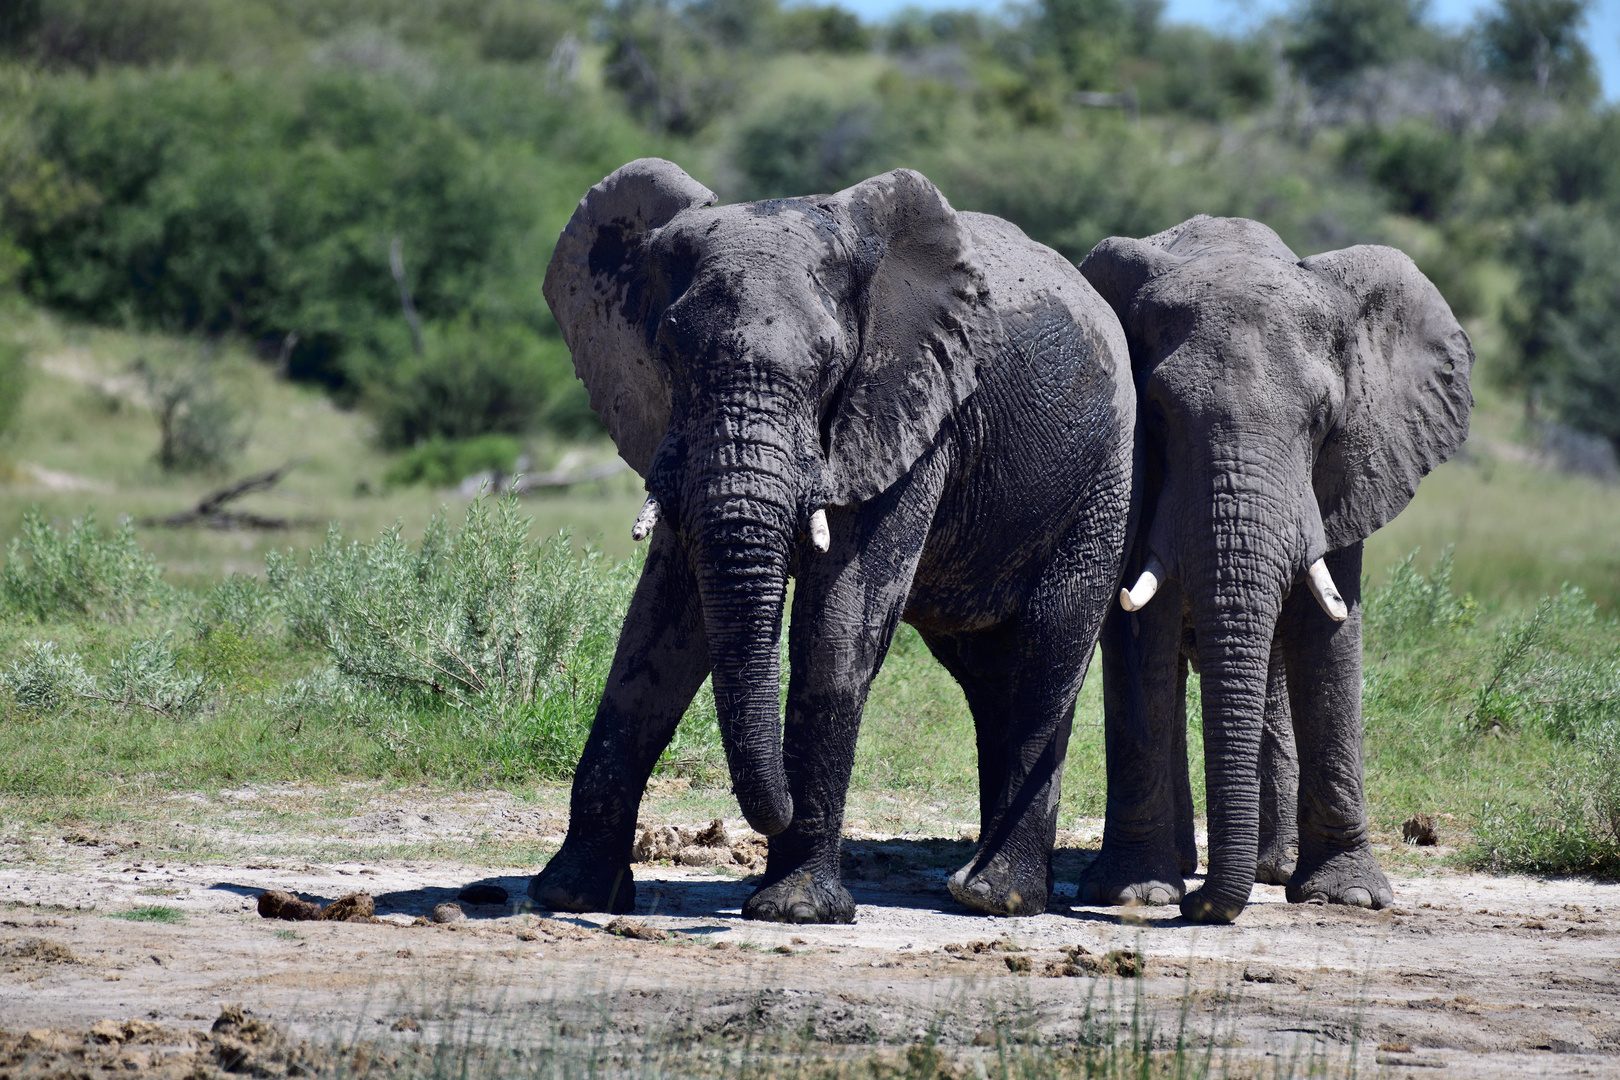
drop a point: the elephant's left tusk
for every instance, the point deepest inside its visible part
(1136, 597)
(1327, 593)
(646, 520)
(820, 535)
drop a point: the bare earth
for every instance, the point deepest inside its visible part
(1468, 975)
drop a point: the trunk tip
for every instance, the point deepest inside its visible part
(772, 818)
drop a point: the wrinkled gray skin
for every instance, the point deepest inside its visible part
(1288, 407)
(959, 400)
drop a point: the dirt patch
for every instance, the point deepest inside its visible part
(1478, 976)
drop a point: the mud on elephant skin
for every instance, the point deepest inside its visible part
(917, 414)
(1287, 408)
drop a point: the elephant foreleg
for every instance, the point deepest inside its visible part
(846, 605)
(661, 660)
(1149, 815)
(1336, 862)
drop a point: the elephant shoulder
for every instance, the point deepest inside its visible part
(1045, 302)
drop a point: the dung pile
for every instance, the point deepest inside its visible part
(709, 846)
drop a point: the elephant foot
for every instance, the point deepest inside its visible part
(1206, 906)
(998, 889)
(569, 884)
(1341, 877)
(801, 898)
(1137, 876)
(1276, 865)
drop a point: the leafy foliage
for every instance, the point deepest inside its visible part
(480, 624)
(201, 428)
(44, 679)
(82, 573)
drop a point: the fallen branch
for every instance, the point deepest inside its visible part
(211, 513)
(551, 481)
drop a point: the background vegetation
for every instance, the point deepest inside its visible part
(240, 233)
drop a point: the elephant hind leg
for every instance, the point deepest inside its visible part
(1279, 782)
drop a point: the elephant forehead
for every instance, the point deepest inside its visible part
(1238, 306)
(756, 267)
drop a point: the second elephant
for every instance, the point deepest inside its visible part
(1287, 408)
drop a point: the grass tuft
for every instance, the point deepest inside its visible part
(155, 913)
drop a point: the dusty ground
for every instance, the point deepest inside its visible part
(1468, 975)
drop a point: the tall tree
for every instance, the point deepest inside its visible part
(1334, 39)
(1538, 42)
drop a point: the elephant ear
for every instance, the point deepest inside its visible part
(602, 289)
(926, 323)
(1407, 395)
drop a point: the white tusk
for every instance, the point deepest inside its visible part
(646, 520)
(1136, 597)
(1327, 593)
(820, 535)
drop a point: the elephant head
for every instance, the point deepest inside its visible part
(755, 364)
(1287, 408)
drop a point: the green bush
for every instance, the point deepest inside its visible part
(147, 675)
(200, 428)
(509, 640)
(442, 463)
(470, 381)
(44, 679)
(1418, 168)
(1577, 831)
(83, 573)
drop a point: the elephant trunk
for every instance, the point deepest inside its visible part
(740, 526)
(1235, 577)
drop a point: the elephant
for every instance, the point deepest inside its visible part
(1288, 408)
(912, 412)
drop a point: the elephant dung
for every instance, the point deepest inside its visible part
(275, 904)
(1419, 829)
(355, 907)
(448, 913)
(710, 846)
(630, 928)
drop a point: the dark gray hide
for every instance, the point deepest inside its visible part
(1287, 408)
(955, 397)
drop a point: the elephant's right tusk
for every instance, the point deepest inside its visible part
(1136, 597)
(646, 520)
(820, 535)
(1327, 593)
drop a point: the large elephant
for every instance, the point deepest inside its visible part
(916, 414)
(1288, 407)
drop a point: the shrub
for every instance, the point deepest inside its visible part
(1409, 604)
(441, 462)
(509, 639)
(44, 679)
(200, 428)
(469, 381)
(240, 604)
(83, 573)
(146, 675)
(1577, 831)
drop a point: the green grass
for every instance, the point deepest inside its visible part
(155, 913)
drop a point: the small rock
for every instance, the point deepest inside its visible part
(1260, 975)
(355, 907)
(1419, 830)
(448, 913)
(275, 904)
(482, 893)
(403, 954)
(630, 928)
(407, 1023)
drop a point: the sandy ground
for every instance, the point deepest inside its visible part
(1467, 976)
